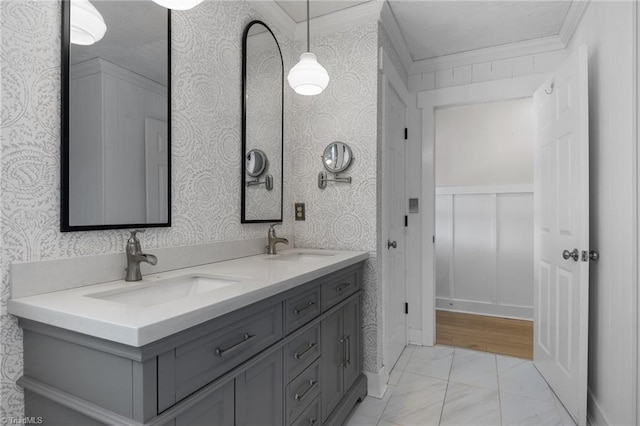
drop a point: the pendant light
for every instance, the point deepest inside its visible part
(87, 25)
(308, 77)
(178, 4)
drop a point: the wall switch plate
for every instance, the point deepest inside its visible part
(299, 211)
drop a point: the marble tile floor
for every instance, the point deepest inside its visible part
(442, 385)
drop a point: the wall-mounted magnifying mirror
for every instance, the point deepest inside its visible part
(262, 94)
(336, 158)
(116, 125)
(256, 164)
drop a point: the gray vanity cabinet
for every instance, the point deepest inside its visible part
(340, 353)
(259, 392)
(228, 342)
(291, 359)
(215, 409)
(352, 368)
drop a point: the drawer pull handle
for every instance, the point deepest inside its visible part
(309, 304)
(343, 363)
(312, 421)
(299, 355)
(348, 344)
(300, 396)
(245, 339)
(341, 287)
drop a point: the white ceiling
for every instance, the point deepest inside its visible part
(439, 28)
(297, 9)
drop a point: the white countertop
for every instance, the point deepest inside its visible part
(259, 277)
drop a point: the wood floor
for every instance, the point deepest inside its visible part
(503, 336)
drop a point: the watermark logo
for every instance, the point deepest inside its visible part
(31, 420)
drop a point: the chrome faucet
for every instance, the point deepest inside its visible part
(273, 239)
(135, 256)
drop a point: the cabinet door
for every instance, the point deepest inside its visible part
(332, 361)
(352, 342)
(216, 409)
(259, 393)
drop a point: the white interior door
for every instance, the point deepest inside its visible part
(561, 222)
(393, 257)
(156, 164)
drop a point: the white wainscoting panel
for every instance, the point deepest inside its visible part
(444, 254)
(515, 249)
(474, 247)
(484, 251)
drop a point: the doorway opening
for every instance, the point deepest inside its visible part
(484, 226)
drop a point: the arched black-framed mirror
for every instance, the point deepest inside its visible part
(116, 119)
(262, 123)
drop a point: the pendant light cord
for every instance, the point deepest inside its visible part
(308, 48)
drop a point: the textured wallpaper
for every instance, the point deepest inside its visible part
(206, 152)
(343, 216)
(207, 45)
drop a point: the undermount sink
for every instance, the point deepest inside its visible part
(166, 290)
(300, 256)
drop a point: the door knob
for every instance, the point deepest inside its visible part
(575, 255)
(392, 244)
(594, 255)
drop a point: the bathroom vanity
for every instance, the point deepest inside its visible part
(280, 345)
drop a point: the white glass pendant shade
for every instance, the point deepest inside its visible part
(308, 77)
(87, 25)
(178, 4)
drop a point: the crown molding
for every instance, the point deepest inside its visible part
(390, 24)
(505, 51)
(275, 16)
(340, 20)
(102, 66)
(576, 11)
(379, 10)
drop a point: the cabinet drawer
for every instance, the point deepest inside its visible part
(300, 352)
(302, 390)
(310, 416)
(199, 362)
(300, 309)
(339, 288)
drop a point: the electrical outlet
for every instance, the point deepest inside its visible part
(299, 211)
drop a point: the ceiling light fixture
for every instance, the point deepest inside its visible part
(87, 25)
(178, 4)
(308, 77)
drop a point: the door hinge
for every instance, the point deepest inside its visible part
(406, 133)
(406, 308)
(433, 239)
(406, 220)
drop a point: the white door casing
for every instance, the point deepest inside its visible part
(561, 222)
(428, 102)
(394, 203)
(156, 170)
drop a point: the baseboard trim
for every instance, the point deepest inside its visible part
(595, 415)
(415, 336)
(471, 307)
(377, 382)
